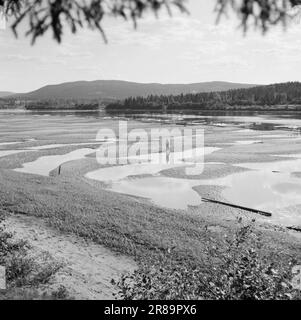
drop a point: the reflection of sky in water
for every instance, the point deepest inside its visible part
(283, 165)
(167, 192)
(268, 191)
(5, 144)
(54, 146)
(8, 143)
(44, 165)
(247, 142)
(269, 187)
(278, 192)
(253, 120)
(157, 162)
(241, 142)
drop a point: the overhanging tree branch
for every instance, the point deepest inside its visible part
(56, 15)
(262, 14)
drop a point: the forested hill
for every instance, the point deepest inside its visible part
(110, 90)
(275, 96)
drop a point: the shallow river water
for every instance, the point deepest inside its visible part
(271, 185)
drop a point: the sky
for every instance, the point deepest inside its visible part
(178, 49)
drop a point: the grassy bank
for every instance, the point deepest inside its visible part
(155, 237)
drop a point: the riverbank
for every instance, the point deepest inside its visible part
(71, 205)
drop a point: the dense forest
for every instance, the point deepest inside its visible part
(51, 104)
(59, 104)
(8, 103)
(283, 96)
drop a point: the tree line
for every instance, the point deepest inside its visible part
(59, 104)
(283, 96)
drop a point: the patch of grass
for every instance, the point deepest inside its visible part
(60, 294)
(34, 294)
(25, 274)
(235, 270)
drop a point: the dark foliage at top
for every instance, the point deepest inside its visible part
(272, 95)
(261, 13)
(56, 15)
(75, 14)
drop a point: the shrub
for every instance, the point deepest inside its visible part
(25, 274)
(235, 268)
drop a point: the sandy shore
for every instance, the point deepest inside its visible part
(87, 268)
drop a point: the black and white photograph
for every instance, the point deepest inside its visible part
(150, 150)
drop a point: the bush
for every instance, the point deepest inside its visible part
(235, 268)
(25, 274)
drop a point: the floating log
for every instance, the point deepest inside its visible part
(60, 167)
(298, 229)
(263, 213)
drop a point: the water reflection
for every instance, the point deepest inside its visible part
(55, 146)
(257, 120)
(149, 164)
(44, 165)
(271, 187)
(265, 190)
(287, 166)
(68, 113)
(9, 143)
(247, 142)
(166, 192)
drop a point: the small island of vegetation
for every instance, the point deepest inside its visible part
(57, 104)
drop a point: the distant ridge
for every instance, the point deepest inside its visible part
(115, 89)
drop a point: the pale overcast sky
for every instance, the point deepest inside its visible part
(181, 49)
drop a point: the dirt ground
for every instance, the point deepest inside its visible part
(87, 268)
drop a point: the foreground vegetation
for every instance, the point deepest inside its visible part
(235, 270)
(26, 275)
